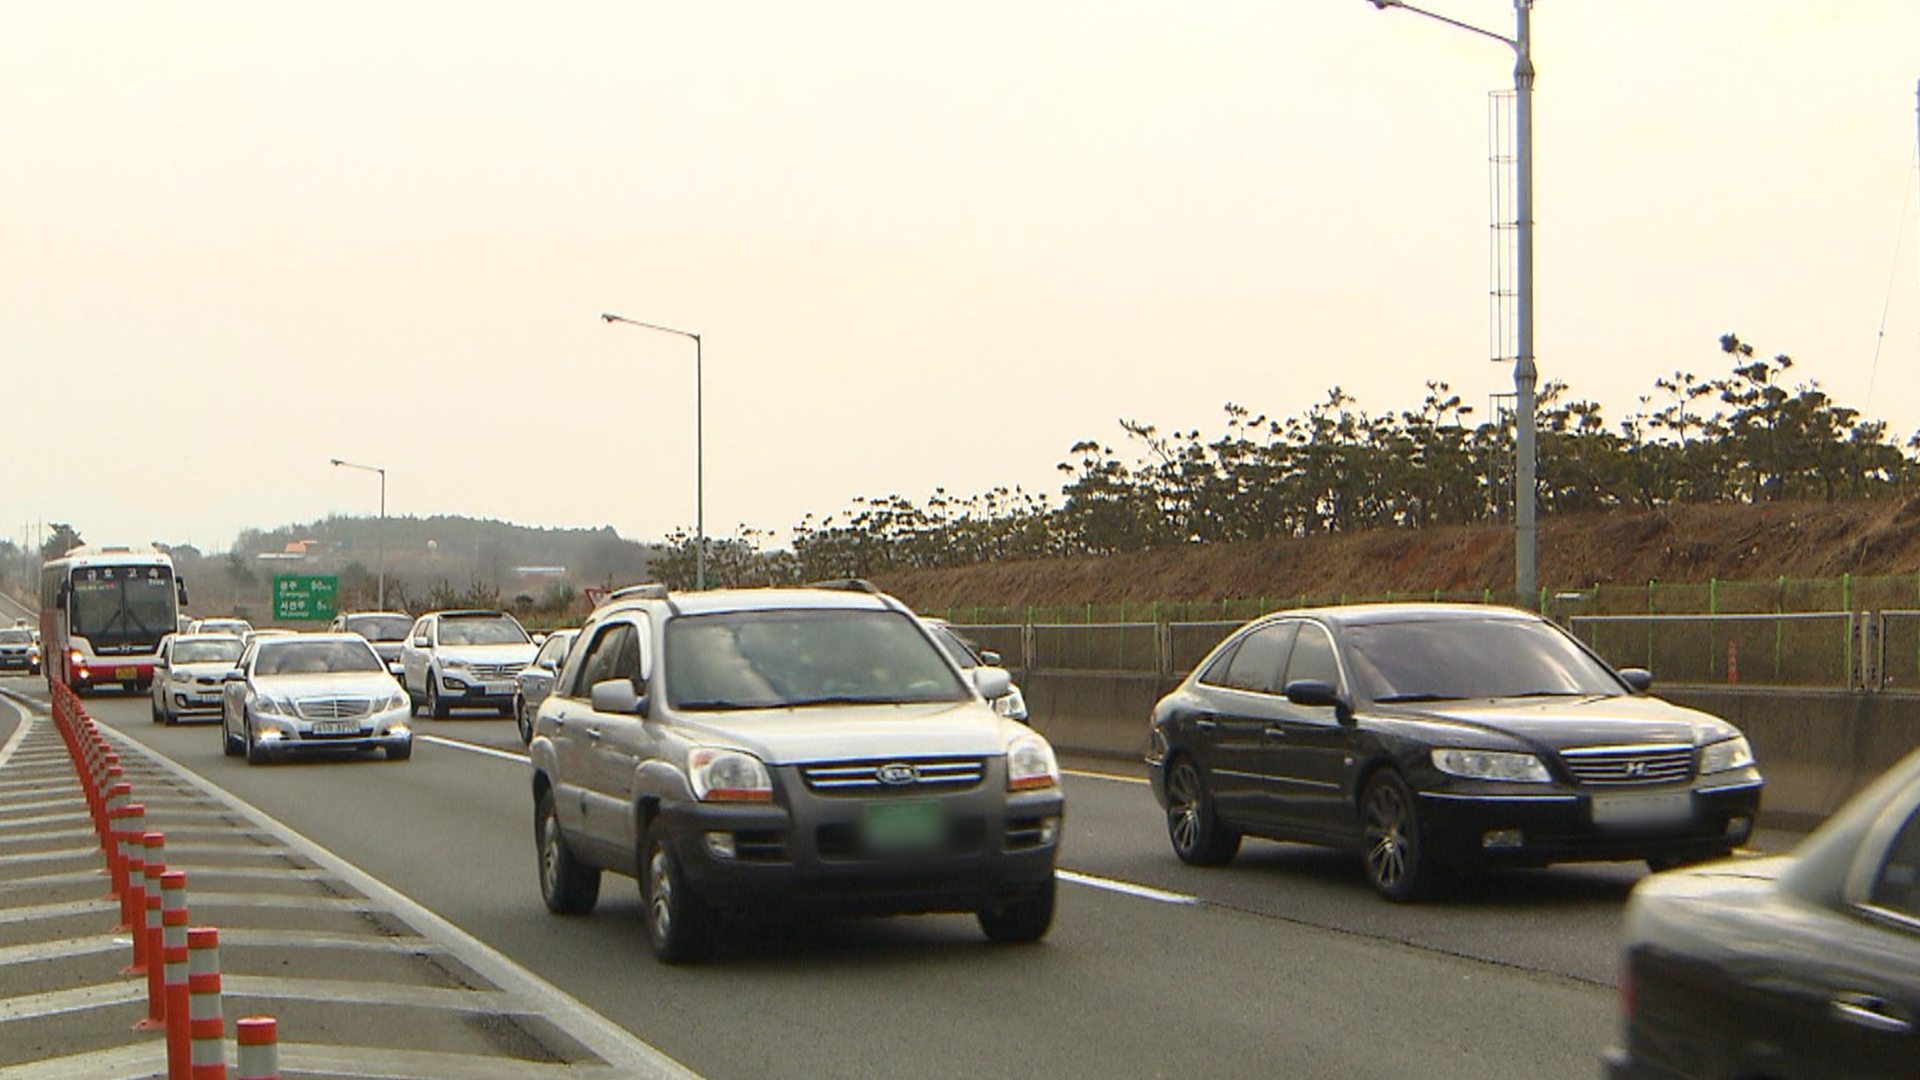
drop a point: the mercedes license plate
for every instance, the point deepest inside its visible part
(904, 825)
(1646, 808)
(335, 727)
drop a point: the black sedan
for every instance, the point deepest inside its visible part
(1436, 737)
(1792, 968)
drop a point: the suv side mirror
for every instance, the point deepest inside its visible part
(1638, 679)
(420, 643)
(236, 675)
(990, 658)
(618, 696)
(992, 682)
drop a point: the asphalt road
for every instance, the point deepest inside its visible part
(1282, 964)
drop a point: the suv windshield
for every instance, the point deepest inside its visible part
(483, 630)
(206, 652)
(380, 627)
(774, 659)
(1472, 658)
(317, 658)
(16, 637)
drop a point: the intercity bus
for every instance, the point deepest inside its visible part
(103, 611)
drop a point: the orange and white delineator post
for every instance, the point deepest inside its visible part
(259, 1039)
(204, 1020)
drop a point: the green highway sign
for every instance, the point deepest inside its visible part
(303, 598)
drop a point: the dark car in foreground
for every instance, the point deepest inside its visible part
(787, 752)
(1439, 737)
(1802, 967)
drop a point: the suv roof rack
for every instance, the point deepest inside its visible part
(651, 590)
(852, 584)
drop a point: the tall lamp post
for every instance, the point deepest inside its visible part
(1525, 375)
(699, 465)
(382, 602)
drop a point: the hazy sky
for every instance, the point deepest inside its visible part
(928, 243)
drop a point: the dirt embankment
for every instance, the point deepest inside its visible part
(1680, 544)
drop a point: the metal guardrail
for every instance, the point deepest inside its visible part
(1857, 650)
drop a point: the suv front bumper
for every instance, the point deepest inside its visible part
(806, 854)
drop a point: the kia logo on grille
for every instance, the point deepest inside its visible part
(897, 774)
(1636, 768)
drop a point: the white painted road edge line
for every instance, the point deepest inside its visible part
(19, 733)
(1128, 888)
(609, 1041)
(475, 747)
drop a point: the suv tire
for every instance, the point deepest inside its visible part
(681, 929)
(1019, 919)
(569, 886)
(436, 708)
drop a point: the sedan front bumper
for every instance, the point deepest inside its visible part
(1535, 830)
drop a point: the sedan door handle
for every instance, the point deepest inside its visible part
(593, 733)
(1204, 725)
(1276, 732)
(1871, 1012)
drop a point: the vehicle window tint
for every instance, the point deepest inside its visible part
(626, 659)
(1313, 658)
(597, 665)
(1216, 673)
(554, 652)
(1457, 658)
(1897, 888)
(1261, 657)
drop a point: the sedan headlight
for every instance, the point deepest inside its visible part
(1031, 765)
(395, 700)
(1491, 765)
(272, 706)
(720, 774)
(1726, 754)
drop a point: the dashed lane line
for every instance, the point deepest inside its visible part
(1126, 888)
(488, 751)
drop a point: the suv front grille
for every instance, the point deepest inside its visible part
(1629, 764)
(495, 672)
(333, 708)
(863, 778)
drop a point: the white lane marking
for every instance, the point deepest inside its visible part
(1105, 776)
(475, 747)
(19, 733)
(1144, 892)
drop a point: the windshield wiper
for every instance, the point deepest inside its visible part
(1556, 693)
(841, 699)
(1396, 698)
(723, 705)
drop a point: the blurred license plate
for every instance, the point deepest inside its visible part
(905, 825)
(336, 727)
(1658, 808)
(126, 673)
(497, 689)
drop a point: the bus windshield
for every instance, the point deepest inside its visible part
(121, 608)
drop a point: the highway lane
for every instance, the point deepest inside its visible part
(1506, 978)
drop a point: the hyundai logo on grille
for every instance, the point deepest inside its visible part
(897, 774)
(1636, 768)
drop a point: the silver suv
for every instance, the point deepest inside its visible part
(457, 659)
(799, 751)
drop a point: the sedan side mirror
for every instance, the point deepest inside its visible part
(1314, 693)
(236, 675)
(420, 643)
(618, 696)
(1638, 679)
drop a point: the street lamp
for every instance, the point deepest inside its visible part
(699, 467)
(1525, 375)
(382, 603)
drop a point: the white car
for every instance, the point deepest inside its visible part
(236, 627)
(307, 692)
(460, 659)
(189, 674)
(967, 654)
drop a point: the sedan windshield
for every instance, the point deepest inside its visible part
(481, 632)
(206, 652)
(317, 658)
(774, 659)
(1450, 659)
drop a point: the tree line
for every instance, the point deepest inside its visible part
(1744, 435)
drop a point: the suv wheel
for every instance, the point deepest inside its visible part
(1019, 919)
(158, 716)
(436, 708)
(681, 929)
(569, 886)
(524, 716)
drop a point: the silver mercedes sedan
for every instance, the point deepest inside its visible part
(313, 692)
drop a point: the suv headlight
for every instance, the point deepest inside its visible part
(720, 774)
(1012, 704)
(454, 662)
(1491, 765)
(1031, 765)
(1734, 753)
